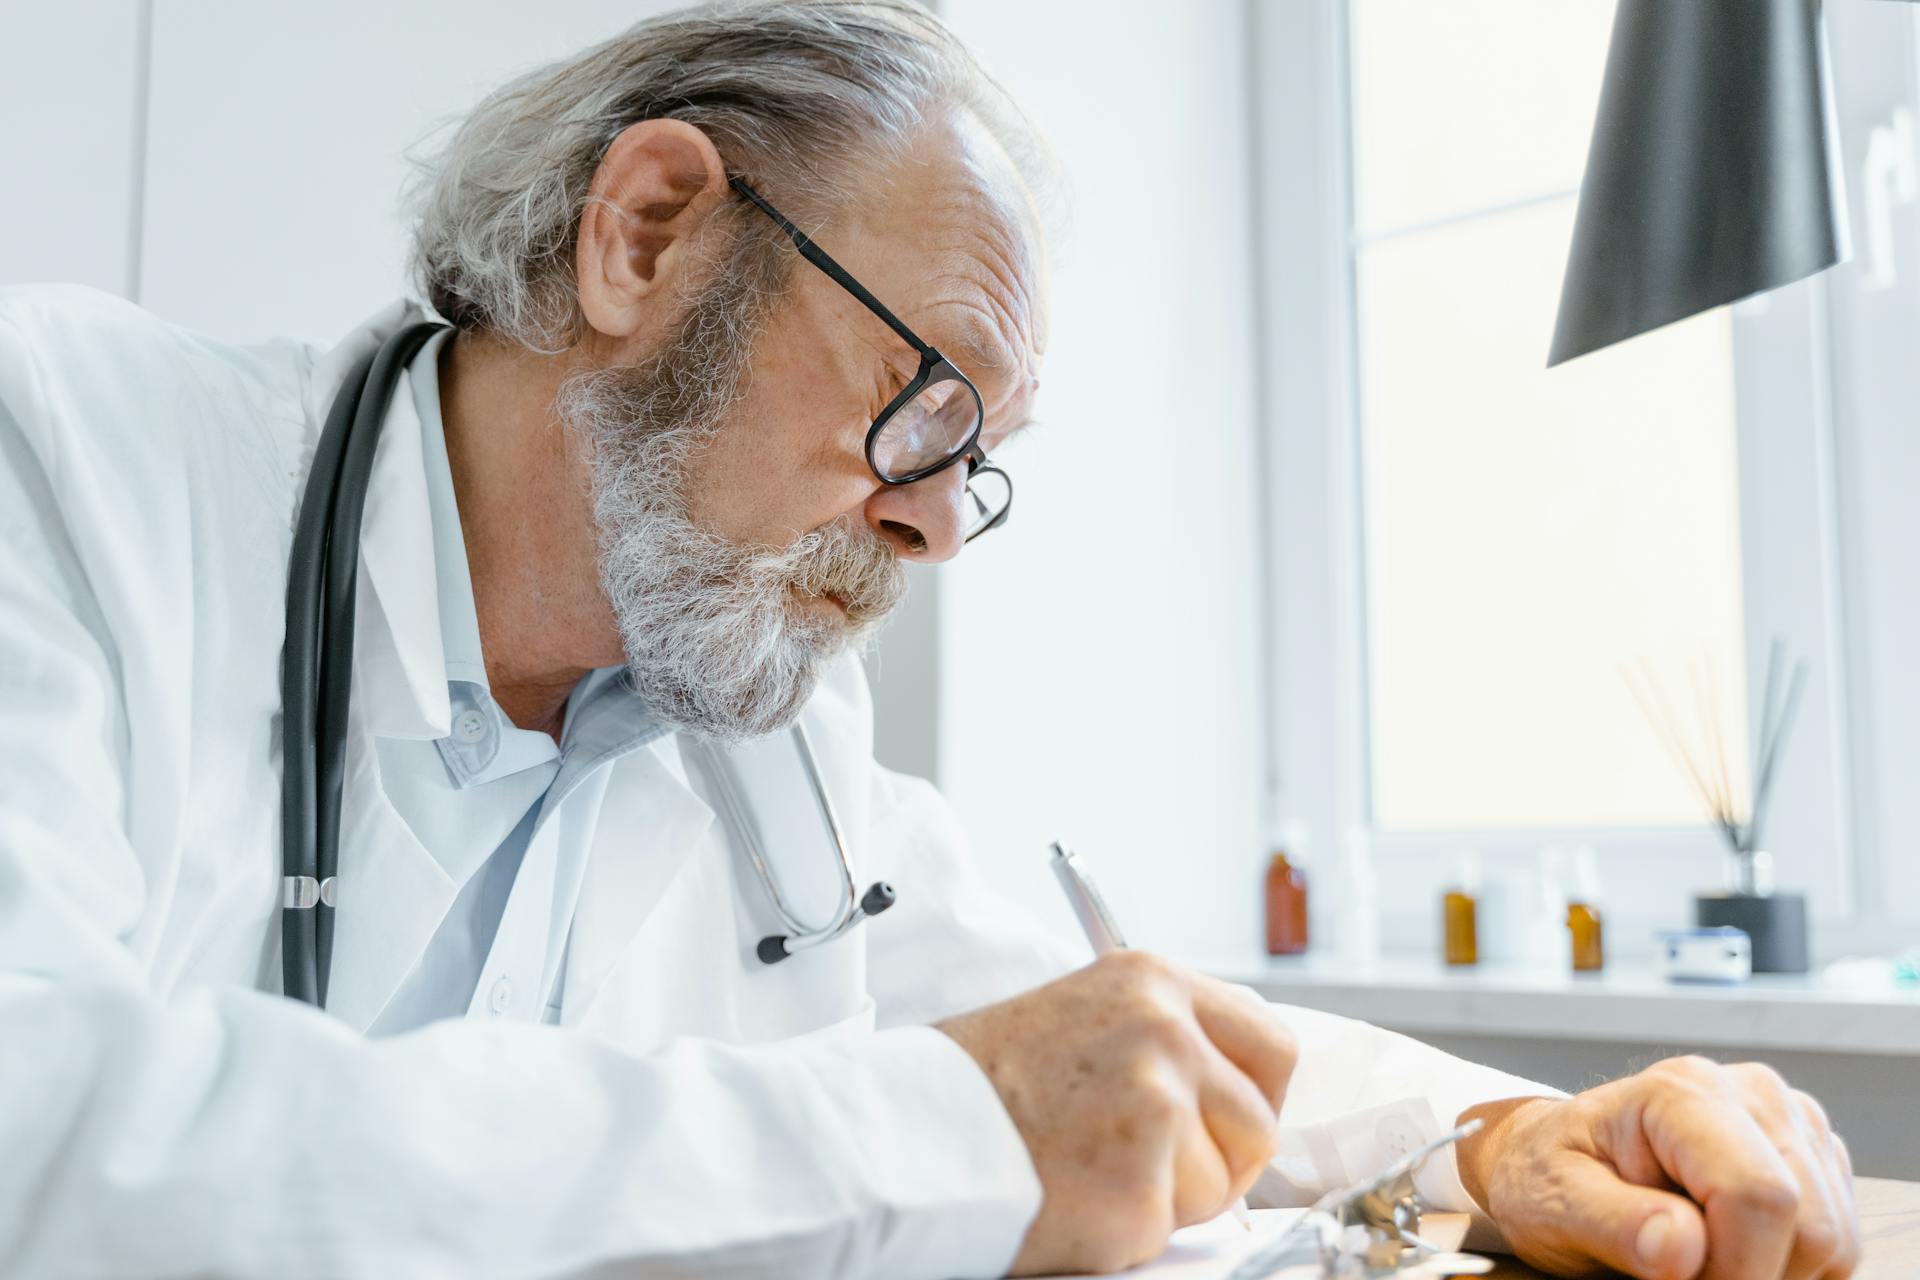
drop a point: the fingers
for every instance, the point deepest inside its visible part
(1826, 1229)
(1245, 1029)
(1203, 1174)
(1239, 1119)
(1829, 1156)
(1237, 1058)
(1817, 1237)
(1640, 1231)
(1714, 1146)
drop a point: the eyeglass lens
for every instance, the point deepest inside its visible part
(989, 493)
(927, 430)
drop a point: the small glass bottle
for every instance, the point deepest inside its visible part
(1462, 941)
(1583, 921)
(1286, 906)
(1583, 913)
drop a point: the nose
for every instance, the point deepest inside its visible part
(925, 520)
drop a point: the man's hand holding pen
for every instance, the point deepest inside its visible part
(1148, 1096)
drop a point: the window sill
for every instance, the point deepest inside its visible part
(1628, 1002)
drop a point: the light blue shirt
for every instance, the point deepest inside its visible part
(508, 812)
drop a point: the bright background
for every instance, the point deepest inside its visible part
(1309, 534)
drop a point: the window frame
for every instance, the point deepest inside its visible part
(1317, 774)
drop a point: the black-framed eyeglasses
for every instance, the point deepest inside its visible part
(935, 420)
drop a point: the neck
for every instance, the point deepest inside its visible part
(526, 517)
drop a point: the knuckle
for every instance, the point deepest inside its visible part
(1264, 1150)
(1170, 1036)
(1817, 1240)
(1687, 1069)
(1765, 1093)
(1158, 1102)
(1283, 1040)
(1761, 1078)
(1137, 965)
(1816, 1115)
(1770, 1195)
(1282, 1061)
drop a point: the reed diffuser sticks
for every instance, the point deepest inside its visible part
(1736, 805)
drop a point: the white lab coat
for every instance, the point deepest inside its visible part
(164, 1111)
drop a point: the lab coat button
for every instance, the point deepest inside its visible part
(469, 726)
(501, 996)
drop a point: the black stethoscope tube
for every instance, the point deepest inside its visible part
(316, 675)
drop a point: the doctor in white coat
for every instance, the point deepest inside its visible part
(623, 518)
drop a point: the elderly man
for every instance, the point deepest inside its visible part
(625, 518)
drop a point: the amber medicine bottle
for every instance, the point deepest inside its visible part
(1462, 936)
(1583, 922)
(1286, 907)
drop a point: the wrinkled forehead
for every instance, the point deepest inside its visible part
(953, 239)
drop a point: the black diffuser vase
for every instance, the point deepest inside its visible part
(1776, 922)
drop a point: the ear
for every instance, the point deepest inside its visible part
(656, 187)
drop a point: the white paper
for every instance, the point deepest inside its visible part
(1209, 1250)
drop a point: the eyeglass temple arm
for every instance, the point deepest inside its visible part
(838, 274)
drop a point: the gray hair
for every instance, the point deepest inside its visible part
(798, 96)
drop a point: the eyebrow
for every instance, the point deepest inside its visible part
(980, 345)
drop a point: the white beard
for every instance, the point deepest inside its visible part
(716, 642)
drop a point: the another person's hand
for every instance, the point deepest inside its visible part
(1149, 1098)
(1689, 1168)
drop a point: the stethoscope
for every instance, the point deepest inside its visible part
(316, 679)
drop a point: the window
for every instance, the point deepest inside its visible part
(1465, 548)
(1527, 532)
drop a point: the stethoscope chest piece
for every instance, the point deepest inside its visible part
(814, 899)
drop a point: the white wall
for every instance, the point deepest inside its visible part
(1101, 674)
(1098, 676)
(278, 134)
(70, 120)
(270, 140)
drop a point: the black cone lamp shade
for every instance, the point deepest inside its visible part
(1713, 172)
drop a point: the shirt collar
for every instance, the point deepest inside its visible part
(481, 743)
(453, 580)
(400, 675)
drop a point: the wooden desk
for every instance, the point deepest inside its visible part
(1889, 1216)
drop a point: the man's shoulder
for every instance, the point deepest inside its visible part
(70, 331)
(84, 373)
(49, 307)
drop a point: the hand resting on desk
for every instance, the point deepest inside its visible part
(1149, 1098)
(1689, 1168)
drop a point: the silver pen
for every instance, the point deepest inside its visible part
(1103, 935)
(1091, 909)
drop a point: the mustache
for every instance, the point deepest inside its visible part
(851, 563)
